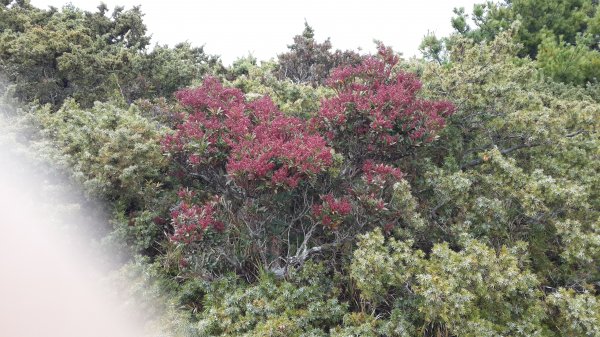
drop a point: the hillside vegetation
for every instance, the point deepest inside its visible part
(328, 192)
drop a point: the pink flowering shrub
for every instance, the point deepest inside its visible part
(217, 120)
(191, 220)
(376, 112)
(285, 184)
(379, 174)
(279, 153)
(253, 141)
(332, 211)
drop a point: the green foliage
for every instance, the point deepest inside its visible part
(497, 180)
(490, 229)
(409, 215)
(578, 313)
(115, 154)
(376, 268)
(50, 55)
(113, 151)
(569, 63)
(259, 80)
(432, 48)
(304, 306)
(562, 35)
(476, 291)
(561, 19)
(165, 70)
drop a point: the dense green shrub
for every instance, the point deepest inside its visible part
(306, 305)
(496, 178)
(115, 154)
(292, 98)
(51, 55)
(473, 292)
(562, 35)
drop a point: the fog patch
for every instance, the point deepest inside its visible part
(53, 278)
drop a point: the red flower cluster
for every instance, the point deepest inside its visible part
(379, 108)
(240, 147)
(190, 220)
(255, 140)
(379, 174)
(211, 96)
(215, 124)
(280, 152)
(332, 211)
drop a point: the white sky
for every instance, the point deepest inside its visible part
(234, 28)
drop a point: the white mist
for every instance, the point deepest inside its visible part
(50, 277)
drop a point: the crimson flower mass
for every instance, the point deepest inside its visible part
(252, 148)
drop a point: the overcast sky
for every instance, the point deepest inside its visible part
(234, 28)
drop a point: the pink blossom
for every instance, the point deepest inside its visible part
(380, 173)
(383, 105)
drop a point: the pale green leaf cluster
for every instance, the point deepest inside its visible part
(260, 80)
(113, 152)
(303, 306)
(521, 160)
(578, 313)
(476, 291)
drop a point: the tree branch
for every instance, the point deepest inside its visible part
(479, 161)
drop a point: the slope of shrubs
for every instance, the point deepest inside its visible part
(381, 197)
